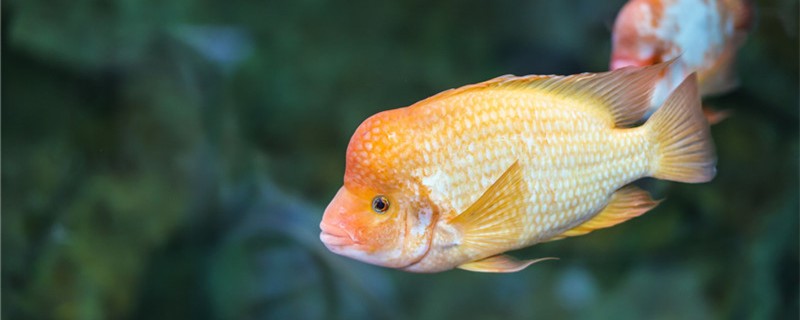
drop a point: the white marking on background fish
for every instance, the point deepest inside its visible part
(645, 24)
(695, 27)
(673, 77)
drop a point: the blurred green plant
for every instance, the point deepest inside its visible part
(146, 144)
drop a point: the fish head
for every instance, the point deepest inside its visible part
(379, 216)
(635, 41)
(356, 225)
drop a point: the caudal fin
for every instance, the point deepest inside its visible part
(685, 151)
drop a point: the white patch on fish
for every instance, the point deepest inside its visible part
(695, 27)
(423, 222)
(439, 184)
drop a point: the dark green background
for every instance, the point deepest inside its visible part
(171, 159)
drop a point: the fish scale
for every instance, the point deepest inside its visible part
(473, 172)
(566, 179)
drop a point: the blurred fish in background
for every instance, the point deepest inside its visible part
(171, 160)
(703, 35)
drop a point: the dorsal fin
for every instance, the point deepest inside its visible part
(465, 88)
(624, 93)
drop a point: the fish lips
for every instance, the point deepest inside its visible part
(340, 242)
(334, 237)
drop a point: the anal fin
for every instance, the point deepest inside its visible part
(500, 263)
(626, 203)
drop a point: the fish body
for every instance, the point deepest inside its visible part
(459, 178)
(702, 35)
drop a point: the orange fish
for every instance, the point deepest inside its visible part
(702, 35)
(460, 178)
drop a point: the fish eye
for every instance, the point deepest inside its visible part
(380, 204)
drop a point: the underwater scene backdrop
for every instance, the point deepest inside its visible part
(172, 159)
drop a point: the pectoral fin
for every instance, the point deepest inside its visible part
(628, 202)
(500, 263)
(496, 218)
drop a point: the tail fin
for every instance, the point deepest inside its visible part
(685, 151)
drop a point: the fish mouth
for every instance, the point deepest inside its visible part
(333, 236)
(334, 240)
